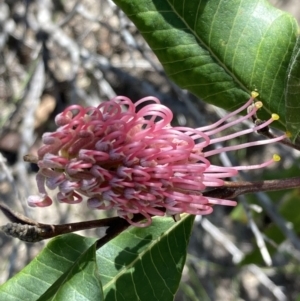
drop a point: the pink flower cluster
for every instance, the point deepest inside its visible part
(135, 161)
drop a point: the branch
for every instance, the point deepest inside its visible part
(231, 190)
(29, 230)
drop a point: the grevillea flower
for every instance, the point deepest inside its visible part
(134, 161)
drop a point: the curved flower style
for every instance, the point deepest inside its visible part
(135, 161)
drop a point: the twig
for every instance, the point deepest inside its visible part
(234, 189)
(30, 104)
(267, 133)
(8, 173)
(30, 230)
(265, 201)
(44, 20)
(257, 234)
(38, 231)
(268, 206)
(260, 242)
(70, 16)
(237, 254)
(265, 280)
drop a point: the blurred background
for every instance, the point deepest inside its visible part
(57, 53)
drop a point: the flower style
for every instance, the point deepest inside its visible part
(134, 161)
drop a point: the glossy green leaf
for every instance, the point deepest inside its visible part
(145, 264)
(57, 273)
(220, 50)
(292, 100)
(81, 282)
(139, 264)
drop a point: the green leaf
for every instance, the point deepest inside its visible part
(139, 264)
(145, 264)
(220, 50)
(80, 282)
(292, 96)
(58, 273)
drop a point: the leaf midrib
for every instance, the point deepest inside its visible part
(140, 255)
(207, 48)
